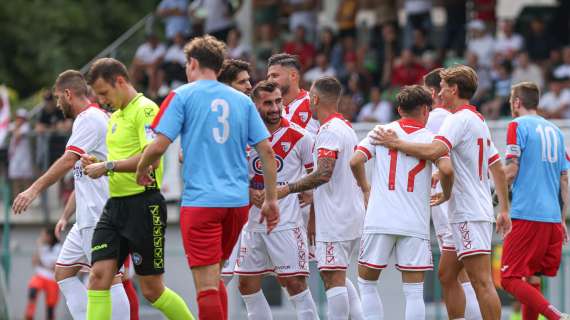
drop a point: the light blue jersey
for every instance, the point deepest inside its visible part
(216, 123)
(539, 145)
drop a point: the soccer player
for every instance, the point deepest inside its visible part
(458, 293)
(285, 69)
(216, 123)
(284, 252)
(339, 204)
(397, 218)
(88, 200)
(465, 135)
(537, 166)
(134, 217)
(236, 74)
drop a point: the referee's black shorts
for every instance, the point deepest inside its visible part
(134, 224)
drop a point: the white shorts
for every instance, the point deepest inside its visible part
(439, 216)
(230, 264)
(412, 254)
(76, 249)
(334, 255)
(284, 253)
(472, 237)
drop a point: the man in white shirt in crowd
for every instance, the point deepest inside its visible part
(377, 110)
(146, 63)
(555, 103)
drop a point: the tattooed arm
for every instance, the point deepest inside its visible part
(325, 168)
(511, 169)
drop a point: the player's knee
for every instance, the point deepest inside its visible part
(446, 277)
(481, 282)
(32, 294)
(100, 278)
(295, 285)
(247, 287)
(151, 290)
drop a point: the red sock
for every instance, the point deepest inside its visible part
(530, 298)
(529, 313)
(133, 299)
(223, 298)
(209, 305)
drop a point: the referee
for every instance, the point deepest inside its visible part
(134, 218)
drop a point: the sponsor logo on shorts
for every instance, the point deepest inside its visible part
(329, 253)
(465, 236)
(137, 258)
(99, 247)
(241, 255)
(282, 268)
(157, 237)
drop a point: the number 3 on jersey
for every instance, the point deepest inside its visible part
(221, 136)
(411, 174)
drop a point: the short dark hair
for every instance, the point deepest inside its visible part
(209, 51)
(285, 60)
(263, 86)
(528, 93)
(329, 87)
(72, 80)
(464, 77)
(410, 98)
(230, 70)
(433, 79)
(107, 69)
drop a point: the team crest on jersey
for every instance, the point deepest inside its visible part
(286, 146)
(304, 116)
(258, 165)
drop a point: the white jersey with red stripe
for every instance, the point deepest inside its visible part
(466, 135)
(400, 185)
(293, 153)
(299, 112)
(88, 137)
(339, 204)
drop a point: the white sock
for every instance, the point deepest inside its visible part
(415, 305)
(305, 306)
(372, 307)
(354, 302)
(337, 303)
(257, 306)
(75, 294)
(472, 311)
(120, 303)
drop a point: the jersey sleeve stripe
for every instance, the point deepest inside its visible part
(75, 150)
(325, 153)
(512, 133)
(163, 106)
(444, 140)
(365, 151)
(494, 159)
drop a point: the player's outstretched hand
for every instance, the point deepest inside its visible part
(23, 200)
(504, 224)
(87, 159)
(564, 232)
(380, 136)
(305, 198)
(143, 176)
(95, 170)
(60, 227)
(270, 214)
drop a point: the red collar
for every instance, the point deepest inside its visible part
(410, 125)
(284, 124)
(470, 108)
(332, 116)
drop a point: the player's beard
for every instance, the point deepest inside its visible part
(284, 89)
(65, 108)
(272, 118)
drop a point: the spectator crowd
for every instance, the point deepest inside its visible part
(370, 52)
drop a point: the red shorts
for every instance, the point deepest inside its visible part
(209, 234)
(532, 248)
(49, 286)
